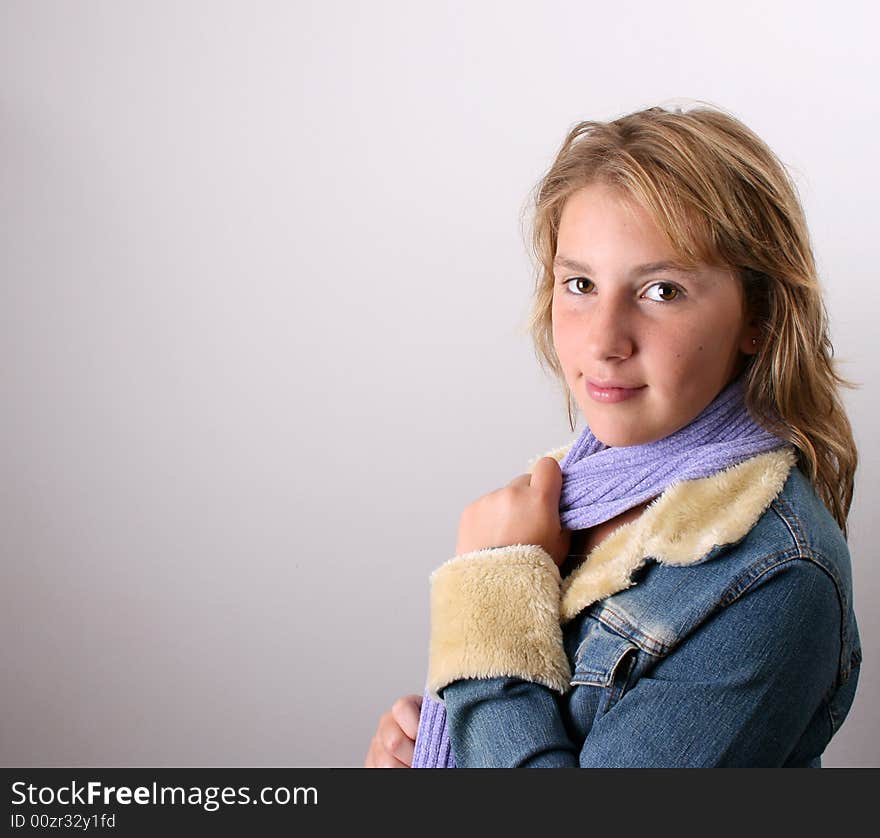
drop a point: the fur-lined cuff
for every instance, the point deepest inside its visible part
(495, 613)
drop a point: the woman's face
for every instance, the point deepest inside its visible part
(677, 336)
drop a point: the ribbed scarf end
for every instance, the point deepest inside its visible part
(432, 749)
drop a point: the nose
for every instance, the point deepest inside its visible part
(608, 328)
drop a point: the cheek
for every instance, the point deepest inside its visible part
(698, 358)
(696, 342)
(565, 340)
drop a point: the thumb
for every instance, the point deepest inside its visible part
(547, 477)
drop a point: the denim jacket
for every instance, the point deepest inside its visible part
(717, 629)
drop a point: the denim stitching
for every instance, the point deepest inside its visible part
(790, 519)
(609, 617)
(832, 720)
(618, 683)
(748, 580)
(607, 673)
(755, 571)
(793, 522)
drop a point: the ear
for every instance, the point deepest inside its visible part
(750, 341)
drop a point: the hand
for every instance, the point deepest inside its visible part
(525, 511)
(395, 739)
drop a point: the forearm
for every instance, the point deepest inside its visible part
(506, 723)
(497, 657)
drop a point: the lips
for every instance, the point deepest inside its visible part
(608, 394)
(613, 385)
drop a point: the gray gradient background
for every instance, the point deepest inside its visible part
(264, 293)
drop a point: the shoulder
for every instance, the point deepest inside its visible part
(798, 536)
(798, 521)
(789, 574)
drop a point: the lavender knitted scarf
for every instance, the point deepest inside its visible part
(599, 483)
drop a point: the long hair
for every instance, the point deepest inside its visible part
(722, 198)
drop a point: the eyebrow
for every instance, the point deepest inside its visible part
(639, 270)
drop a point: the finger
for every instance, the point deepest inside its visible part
(547, 477)
(395, 742)
(404, 751)
(378, 757)
(388, 761)
(521, 480)
(406, 712)
(373, 753)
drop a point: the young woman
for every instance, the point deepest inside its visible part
(673, 587)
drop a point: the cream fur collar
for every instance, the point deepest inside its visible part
(679, 527)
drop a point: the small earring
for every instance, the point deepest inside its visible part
(754, 341)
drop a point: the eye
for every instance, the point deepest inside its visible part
(673, 289)
(568, 283)
(676, 292)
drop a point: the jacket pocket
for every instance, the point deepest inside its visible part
(604, 659)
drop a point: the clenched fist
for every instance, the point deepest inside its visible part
(525, 511)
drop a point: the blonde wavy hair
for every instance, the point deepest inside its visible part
(722, 198)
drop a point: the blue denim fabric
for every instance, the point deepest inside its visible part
(748, 657)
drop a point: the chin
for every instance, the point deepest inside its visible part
(615, 439)
(618, 437)
(622, 442)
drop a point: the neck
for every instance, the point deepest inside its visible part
(584, 541)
